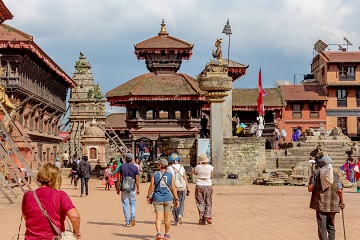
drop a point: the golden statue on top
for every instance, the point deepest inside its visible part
(218, 53)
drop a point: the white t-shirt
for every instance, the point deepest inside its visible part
(58, 164)
(204, 174)
(26, 172)
(177, 167)
(65, 156)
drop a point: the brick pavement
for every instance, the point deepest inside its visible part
(246, 212)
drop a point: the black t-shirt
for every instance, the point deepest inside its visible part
(204, 122)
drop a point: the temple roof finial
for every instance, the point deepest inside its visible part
(163, 29)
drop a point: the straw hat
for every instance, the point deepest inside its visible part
(203, 158)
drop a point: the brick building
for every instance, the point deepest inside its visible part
(339, 73)
(305, 107)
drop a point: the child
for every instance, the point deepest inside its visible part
(107, 174)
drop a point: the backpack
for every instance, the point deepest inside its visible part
(84, 169)
(75, 166)
(180, 182)
(127, 184)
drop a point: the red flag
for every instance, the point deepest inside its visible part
(261, 110)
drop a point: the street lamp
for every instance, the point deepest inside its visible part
(227, 31)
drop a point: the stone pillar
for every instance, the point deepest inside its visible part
(216, 139)
(215, 81)
(133, 145)
(227, 115)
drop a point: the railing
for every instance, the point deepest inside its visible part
(342, 103)
(314, 114)
(297, 114)
(347, 78)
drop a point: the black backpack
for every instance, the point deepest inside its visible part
(84, 169)
(75, 166)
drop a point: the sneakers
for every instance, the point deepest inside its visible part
(201, 221)
(127, 225)
(81, 195)
(158, 236)
(180, 219)
(132, 222)
(176, 223)
(209, 220)
(166, 236)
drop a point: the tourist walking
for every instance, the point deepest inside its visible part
(129, 188)
(75, 172)
(58, 163)
(138, 164)
(204, 189)
(107, 175)
(84, 173)
(26, 173)
(65, 160)
(181, 184)
(56, 202)
(326, 197)
(114, 174)
(161, 193)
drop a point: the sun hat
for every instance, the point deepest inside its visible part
(203, 158)
(163, 162)
(174, 157)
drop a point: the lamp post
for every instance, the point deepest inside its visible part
(227, 31)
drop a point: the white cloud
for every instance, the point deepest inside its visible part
(277, 35)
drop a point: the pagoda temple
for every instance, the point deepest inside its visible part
(163, 103)
(87, 103)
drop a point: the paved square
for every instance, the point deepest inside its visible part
(246, 212)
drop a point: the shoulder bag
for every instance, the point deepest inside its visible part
(168, 188)
(65, 235)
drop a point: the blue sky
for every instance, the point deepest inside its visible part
(276, 35)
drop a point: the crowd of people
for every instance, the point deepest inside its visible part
(45, 209)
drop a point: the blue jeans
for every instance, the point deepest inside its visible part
(128, 199)
(84, 184)
(179, 210)
(141, 155)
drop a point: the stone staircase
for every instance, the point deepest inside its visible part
(295, 159)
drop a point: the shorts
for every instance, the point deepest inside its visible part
(163, 206)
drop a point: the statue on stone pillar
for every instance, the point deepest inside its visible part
(218, 53)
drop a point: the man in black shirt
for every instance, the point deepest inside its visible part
(204, 131)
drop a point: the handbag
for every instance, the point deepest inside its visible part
(65, 235)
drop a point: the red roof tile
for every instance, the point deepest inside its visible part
(163, 42)
(151, 84)
(116, 121)
(5, 13)
(339, 57)
(303, 92)
(247, 97)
